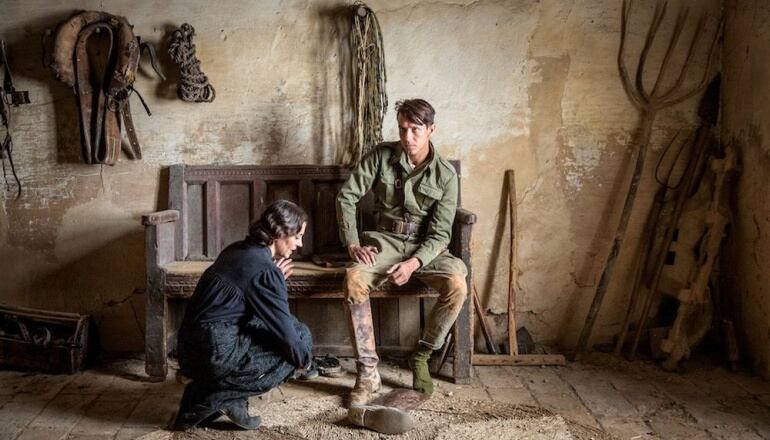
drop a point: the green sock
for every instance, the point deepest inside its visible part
(421, 380)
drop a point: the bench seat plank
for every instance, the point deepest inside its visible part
(308, 280)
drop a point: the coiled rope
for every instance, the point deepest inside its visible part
(194, 85)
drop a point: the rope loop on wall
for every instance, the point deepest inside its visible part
(194, 85)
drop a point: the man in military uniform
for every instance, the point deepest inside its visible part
(415, 199)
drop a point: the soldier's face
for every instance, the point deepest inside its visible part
(415, 138)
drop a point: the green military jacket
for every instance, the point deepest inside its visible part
(430, 195)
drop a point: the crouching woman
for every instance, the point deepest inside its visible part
(238, 338)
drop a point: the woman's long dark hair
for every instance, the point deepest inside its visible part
(279, 219)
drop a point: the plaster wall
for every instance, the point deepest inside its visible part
(526, 85)
(746, 103)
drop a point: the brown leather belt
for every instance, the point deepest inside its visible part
(400, 227)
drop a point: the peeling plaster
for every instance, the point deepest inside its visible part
(584, 156)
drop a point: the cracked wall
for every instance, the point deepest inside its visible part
(746, 103)
(519, 84)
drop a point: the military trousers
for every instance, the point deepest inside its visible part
(445, 274)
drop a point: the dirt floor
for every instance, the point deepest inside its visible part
(440, 418)
(599, 397)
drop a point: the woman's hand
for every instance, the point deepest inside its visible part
(287, 267)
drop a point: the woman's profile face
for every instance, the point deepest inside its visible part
(287, 244)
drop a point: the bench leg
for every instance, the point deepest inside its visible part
(155, 344)
(463, 344)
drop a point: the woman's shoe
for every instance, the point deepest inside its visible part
(193, 417)
(238, 412)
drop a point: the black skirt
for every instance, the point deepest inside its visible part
(228, 360)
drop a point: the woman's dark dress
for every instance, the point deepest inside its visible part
(238, 338)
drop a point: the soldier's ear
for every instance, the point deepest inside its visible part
(431, 130)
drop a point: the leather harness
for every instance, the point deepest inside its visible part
(407, 226)
(102, 77)
(9, 97)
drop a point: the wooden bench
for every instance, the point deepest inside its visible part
(212, 206)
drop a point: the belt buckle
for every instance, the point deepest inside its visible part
(398, 227)
(410, 227)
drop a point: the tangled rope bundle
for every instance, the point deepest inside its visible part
(194, 86)
(370, 96)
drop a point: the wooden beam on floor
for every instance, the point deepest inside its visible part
(518, 359)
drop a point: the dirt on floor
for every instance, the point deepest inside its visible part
(440, 418)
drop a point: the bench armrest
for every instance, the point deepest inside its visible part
(460, 244)
(156, 218)
(159, 232)
(465, 217)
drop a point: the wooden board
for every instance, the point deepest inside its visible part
(401, 398)
(519, 359)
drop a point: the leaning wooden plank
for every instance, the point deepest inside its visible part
(518, 360)
(513, 266)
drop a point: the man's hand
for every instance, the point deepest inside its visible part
(400, 273)
(287, 267)
(363, 254)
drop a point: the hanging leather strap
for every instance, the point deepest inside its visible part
(101, 107)
(9, 97)
(135, 150)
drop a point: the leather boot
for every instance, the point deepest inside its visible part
(368, 380)
(387, 420)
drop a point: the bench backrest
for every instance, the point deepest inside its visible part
(217, 203)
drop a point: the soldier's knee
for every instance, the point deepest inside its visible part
(455, 290)
(355, 286)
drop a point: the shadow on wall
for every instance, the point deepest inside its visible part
(27, 62)
(271, 137)
(164, 89)
(485, 293)
(333, 83)
(587, 277)
(106, 283)
(163, 200)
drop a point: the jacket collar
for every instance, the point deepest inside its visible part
(399, 156)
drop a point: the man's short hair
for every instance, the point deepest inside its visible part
(416, 111)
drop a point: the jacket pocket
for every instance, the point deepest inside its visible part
(428, 195)
(386, 189)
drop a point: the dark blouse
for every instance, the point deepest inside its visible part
(242, 284)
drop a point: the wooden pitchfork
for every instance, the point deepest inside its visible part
(649, 103)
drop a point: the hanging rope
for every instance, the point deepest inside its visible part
(370, 97)
(194, 86)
